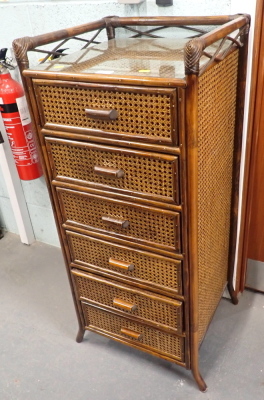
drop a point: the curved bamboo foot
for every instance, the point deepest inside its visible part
(233, 294)
(199, 380)
(80, 334)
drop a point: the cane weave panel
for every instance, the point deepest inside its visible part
(138, 113)
(144, 224)
(216, 116)
(155, 270)
(158, 340)
(147, 307)
(142, 174)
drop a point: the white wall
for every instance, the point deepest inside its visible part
(27, 18)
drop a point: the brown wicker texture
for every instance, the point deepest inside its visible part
(145, 115)
(144, 224)
(216, 116)
(158, 310)
(148, 175)
(152, 338)
(155, 270)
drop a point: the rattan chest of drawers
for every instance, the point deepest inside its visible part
(140, 141)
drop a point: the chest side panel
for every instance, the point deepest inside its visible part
(216, 116)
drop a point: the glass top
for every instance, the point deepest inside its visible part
(158, 58)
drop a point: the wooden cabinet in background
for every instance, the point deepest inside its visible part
(140, 142)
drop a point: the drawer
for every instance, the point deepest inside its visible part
(144, 174)
(156, 309)
(144, 269)
(127, 221)
(139, 335)
(141, 114)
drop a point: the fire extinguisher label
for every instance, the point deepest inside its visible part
(8, 108)
(23, 110)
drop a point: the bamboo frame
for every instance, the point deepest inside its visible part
(192, 200)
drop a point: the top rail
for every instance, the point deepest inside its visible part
(193, 50)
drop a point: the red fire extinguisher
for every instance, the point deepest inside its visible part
(17, 122)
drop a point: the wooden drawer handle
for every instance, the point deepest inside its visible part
(121, 264)
(104, 115)
(117, 222)
(109, 172)
(124, 304)
(132, 334)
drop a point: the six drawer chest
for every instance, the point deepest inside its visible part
(139, 132)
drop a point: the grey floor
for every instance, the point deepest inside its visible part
(40, 360)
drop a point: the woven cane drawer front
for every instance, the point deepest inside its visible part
(149, 338)
(130, 171)
(143, 114)
(154, 308)
(139, 267)
(128, 221)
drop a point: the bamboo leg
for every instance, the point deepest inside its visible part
(198, 378)
(80, 335)
(232, 293)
